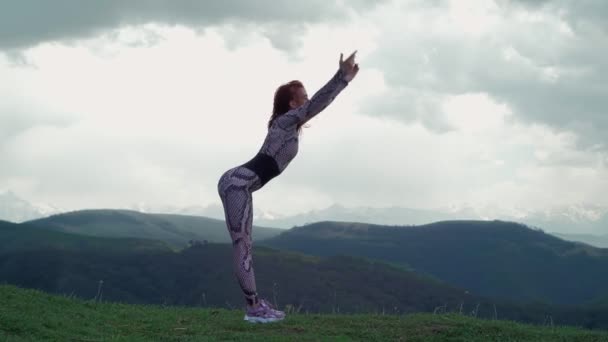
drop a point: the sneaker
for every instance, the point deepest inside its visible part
(264, 313)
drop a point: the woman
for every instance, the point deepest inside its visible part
(292, 109)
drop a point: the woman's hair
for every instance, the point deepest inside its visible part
(282, 96)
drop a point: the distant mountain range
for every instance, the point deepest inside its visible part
(16, 209)
(571, 220)
(585, 223)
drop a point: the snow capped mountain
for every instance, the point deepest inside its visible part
(579, 218)
(573, 219)
(337, 212)
(485, 212)
(212, 211)
(582, 218)
(215, 211)
(15, 209)
(578, 213)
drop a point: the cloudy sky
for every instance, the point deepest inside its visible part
(481, 103)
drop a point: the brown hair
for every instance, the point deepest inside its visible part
(282, 96)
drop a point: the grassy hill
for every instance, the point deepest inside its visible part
(490, 258)
(143, 271)
(148, 271)
(176, 230)
(31, 315)
(21, 238)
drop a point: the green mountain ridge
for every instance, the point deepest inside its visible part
(533, 265)
(176, 230)
(21, 237)
(491, 258)
(202, 275)
(462, 253)
(148, 271)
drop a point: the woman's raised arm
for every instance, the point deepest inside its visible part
(324, 96)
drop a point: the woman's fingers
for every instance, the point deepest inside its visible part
(349, 64)
(351, 58)
(352, 55)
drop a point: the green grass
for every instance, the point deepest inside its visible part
(31, 315)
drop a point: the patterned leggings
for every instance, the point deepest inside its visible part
(235, 188)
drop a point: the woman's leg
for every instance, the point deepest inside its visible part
(235, 191)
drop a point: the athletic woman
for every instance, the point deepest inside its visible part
(292, 109)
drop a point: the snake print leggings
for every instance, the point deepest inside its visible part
(235, 188)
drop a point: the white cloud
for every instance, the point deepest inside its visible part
(451, 106)
(545, 64)
(27, 23)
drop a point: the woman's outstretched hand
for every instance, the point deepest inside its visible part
(349, 67)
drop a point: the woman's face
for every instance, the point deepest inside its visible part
(299, 98)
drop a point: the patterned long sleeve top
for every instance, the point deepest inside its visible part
(281, 143)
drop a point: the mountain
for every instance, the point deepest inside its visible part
(581, 217)
(147, 271)
(492, 258)
(337, 212)
(140, 271)
(176, 230)
(592, 240)
(573, 219)
(590, 219)
(215, 210)
(15, 209)
(25, 238)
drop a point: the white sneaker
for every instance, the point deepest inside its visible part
(264, 313)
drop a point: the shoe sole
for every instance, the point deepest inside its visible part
(262, 319)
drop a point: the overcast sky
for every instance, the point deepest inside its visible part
(112, 103)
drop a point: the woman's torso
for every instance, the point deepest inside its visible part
(278, 149)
